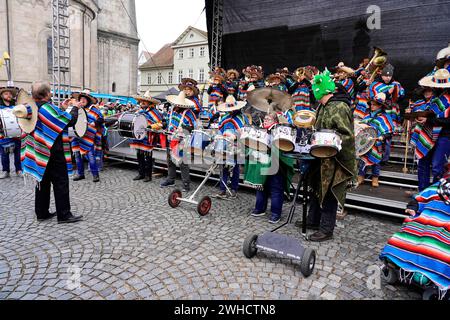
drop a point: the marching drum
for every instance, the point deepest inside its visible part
(9, 127)
(305, 119)
(325, 144)
(133, 126)
(255, 138)
(81, 126)
(283, 137)
(365, 138)
(199, 140)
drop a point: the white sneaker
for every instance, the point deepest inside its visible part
(4, 175)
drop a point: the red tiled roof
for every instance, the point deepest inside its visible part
(163, 58)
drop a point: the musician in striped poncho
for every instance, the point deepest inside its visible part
(432, 135)
(181, 121)
(46, 153)
(384, 125)
(421, 250)
(230, 125)
(217, 91)
(301, 90)
(88, 145)
(144, 148)
(192, 92)
(232, 83)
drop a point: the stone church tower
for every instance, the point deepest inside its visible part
(104, 43)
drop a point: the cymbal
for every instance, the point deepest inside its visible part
(270, 100)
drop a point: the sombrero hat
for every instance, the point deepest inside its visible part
(271, 77)
(379, 98)
(189, 83)
(13, 90)
(441, 79)
(341, 67)
(86, 94)
(147, 97)
(233, 71)
(231, 105)
(26, 112)
(181, 101)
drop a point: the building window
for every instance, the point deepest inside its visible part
(49, 55)
(191, 73)
(202, 51)
(181, 54)
(170, 77)
(201, 75)
(149, 78)
(191, 52)
(191, 36)
(180, 75)
(114, 87)
(159, 78)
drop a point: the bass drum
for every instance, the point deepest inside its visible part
(365, 138)
(133, 126)
(9, 127)
(80, 128)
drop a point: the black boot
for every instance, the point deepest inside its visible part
(149, 169)
(96, 179)
(138, 177)
(79, 178)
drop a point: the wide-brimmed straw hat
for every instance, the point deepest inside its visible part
(272, 77)
(26, 112)
(233, 71)
(231, 105)
(189, 83)
(86, 94)
(181, 101)
(147, 97)
(441, 79)
(13, 90)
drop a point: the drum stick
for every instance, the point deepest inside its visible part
(408, 127)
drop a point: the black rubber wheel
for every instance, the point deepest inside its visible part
(430, 294)
(249, 249)
(389, 275)
(173, 198)
(308, 262)
(204, 206)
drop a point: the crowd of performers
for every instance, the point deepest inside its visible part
(337, 98)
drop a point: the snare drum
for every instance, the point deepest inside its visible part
(255, 138)
(199, 140)
(325, 144)
(9, 127)
(305, 119)
(80, 128)
(283, 137)
(133, 126)
(365, 138)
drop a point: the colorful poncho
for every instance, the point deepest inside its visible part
(153, 116)
(384, 125)
(362, 109)
(92, 138)
(188, 116)
(422, 247)
(423, 137)
(198, 105)
(232, 122)
(232, 87)
(302, 98)
(393, 108)
(216, 97)
(349, 86)
(37, 145)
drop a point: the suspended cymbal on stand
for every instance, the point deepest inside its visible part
(270, 100)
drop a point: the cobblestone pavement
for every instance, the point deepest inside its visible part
(133, 246)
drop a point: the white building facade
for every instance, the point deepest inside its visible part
(187, 57)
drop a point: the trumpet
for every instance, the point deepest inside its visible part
(377, 62)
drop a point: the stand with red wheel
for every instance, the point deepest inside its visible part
(204, 205)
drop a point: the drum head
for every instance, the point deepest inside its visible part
(140, 126)
(81, 125)
(365, 140)
(9, 127)
(284, 145)
(324, 152)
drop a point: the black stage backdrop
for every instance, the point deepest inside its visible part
(279, 33)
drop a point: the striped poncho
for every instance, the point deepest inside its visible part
(153, 116)
(198, 105)
(232, 88)
(188, 116)
(384, 125)
(422, 247)
(216, 97)
(392, 101)
(349, 86)
(362, 109)
(302, 98)
(93, 135)
(232, 122)
(36, 146)
(423, 137)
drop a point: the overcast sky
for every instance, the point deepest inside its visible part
(162, 21)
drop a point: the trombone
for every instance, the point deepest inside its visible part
(377, 63)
